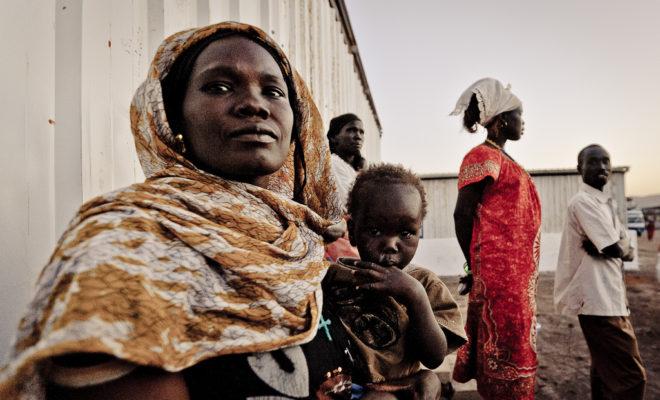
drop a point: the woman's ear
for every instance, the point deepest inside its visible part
(498, 122)
(331, 142)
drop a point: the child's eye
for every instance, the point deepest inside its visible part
(274, 91)
(217, 88)
(374, 231)
(407, 235)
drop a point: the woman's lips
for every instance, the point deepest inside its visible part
(255, 138)
(254, 134)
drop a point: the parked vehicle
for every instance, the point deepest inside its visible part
(636, 221)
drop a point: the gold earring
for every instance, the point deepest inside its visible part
(179, 141)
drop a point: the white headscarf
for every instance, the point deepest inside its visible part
(492, 98)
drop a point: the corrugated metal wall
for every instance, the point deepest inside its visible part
(441, 199)
(555, 190)
(69, 70)
(118, 39)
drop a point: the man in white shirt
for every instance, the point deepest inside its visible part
(589, 282)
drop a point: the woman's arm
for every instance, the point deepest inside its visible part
(143, 384)
(466, 207)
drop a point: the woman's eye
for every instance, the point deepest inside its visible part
(217, 88)
(274, 92)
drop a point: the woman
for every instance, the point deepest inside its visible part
(218, 252)
(498, 219)
(345, 136)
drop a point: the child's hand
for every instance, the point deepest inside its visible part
(388, 280)
(339, 275)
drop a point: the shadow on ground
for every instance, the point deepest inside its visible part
(563, 354)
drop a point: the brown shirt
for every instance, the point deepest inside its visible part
(379, 326)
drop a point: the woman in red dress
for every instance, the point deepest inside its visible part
(498, 219)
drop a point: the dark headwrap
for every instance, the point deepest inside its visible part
(336, 124)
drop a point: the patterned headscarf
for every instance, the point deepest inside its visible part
(492, 99)
(185, 266)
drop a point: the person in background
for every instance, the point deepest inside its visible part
(650, 227)
(346, 136)
(399, 315)
(498, 220)
(204, 281)
(589, 281)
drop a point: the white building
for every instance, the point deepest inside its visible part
(439, 249)
(69, 69)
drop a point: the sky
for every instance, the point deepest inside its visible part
(587, 71)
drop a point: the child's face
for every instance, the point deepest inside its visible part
(386, 227)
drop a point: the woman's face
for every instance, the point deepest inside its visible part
(349, 139)
(515, 127)
(237, 116)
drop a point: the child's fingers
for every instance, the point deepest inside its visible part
(349, 261)
(340, 275)
(372, 286)
(368, 274)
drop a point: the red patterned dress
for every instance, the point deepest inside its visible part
(504, 253)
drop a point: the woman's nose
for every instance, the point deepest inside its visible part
(251, 103)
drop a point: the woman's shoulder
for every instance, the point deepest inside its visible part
(480, 162)
(340, 164)
(483, 151)
(481, 155)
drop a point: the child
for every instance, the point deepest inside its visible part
(399, 315)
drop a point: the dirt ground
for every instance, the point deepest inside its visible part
(563, 354)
